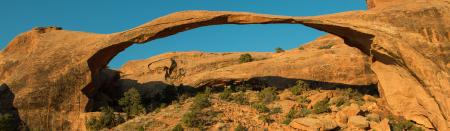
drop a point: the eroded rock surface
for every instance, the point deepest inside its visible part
(54, 72)
(326, 59)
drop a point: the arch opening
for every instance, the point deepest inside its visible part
(103, 76)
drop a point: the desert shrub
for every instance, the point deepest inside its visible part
(279, 50)
(322, 106)
(240, 98)
(276, 110)
(244, 58)
(354, 95)
(192, 119)
(131, 103)
(293, 113)
(261, 107)
(141, 128)
(340, 101)
(301, 48)
(226, 95)
(290, 115)
(208, 90)
(403, 125)
(106, 120)
(303, 100)
(295, 90)
(178, 127)
(241, 88)
(239, 127)
(300, 87)
(267, 95)
(304, 111)
(201, 101)
(266, 118)
(326, 46)
(197, 118)
(286, 121)
(8, 122)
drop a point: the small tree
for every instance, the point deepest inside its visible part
(279, 50)
(239, 127)
(195, 117)
(322, 106)
(266, 118)
(226, 95)
(245, 58)
(178, 127)
(131, 103)
(261, 107)
(268, 95)
(201, 101)
(107, 120)
(326, 46)
(300, 87)
(301, 48)
(240, 98)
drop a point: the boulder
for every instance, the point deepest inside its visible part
(358, 121)
(313, 124)
(373, 117)
(318, 97)
(381, 126)
(346, 112)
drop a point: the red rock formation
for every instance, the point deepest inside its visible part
(53, 72)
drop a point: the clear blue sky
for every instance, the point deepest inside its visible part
(108, 16)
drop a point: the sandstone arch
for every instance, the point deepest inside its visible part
(52, 72)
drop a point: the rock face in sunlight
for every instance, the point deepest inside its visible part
(326, 59)
(54, 73)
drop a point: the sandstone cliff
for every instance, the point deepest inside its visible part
(54, 72)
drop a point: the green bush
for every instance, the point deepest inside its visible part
(192, 119)
(208, 90)
(240, 98)
(340, 101)
(239, 127)
(266, 118)
(244, 58)
(354, 95)
(301, 48)
(8, 122)
(226, 95)
(201, 101)
(326, 46)
(279, 50)
(131, 103)
(300, 87)
(195, 117)
(276, 110)
(322, 106)
(178, 127)
(403, 125)
(303, 100)
(304, 111)
(241, 88)
(261, 107)
(267, 95)
(293, 113)
(106, 120)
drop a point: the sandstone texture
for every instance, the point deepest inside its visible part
(53, 73)
(337, 64)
